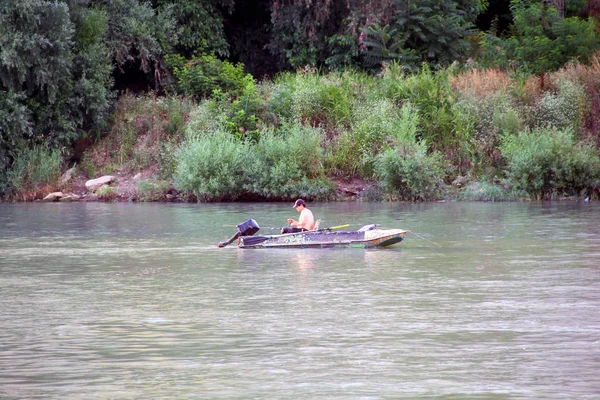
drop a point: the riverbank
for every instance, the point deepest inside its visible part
(142, 188)
(461, 133)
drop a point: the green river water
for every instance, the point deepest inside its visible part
(134, 301)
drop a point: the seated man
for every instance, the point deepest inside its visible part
(306, 222)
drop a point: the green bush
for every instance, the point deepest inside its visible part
(204, 120)
(378, 124)
(483, 191)
(280, 100)
(290, 163)
(410, 173)
(432, 95)
(239, 115)
(481, 122)
(36, 168)
(565, 108)
(281, 166)
(152, 190)
(545, 163)
(200, 76)
(107, 193)
(320, 100)
(214, 167)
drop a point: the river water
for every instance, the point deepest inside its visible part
(124, 301)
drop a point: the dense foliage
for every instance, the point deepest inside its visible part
(446, 98)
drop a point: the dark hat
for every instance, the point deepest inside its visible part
(299, 202)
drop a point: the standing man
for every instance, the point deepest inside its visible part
(306, 222)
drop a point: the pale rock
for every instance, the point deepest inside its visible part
(97, 183)
(137, 176)
(55, 196)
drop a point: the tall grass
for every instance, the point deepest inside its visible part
(35, 173)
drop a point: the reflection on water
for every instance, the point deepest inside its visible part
(136, 301)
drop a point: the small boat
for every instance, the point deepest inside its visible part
(325, 238)
(366, 237)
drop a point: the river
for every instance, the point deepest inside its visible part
(134, 301)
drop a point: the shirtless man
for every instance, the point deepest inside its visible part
(306, 222)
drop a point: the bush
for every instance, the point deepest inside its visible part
(290, 163)
(565, 108)
(239, 116)
(545, 163)
(152, 190)
(481, 122)
(320, 100)
(204, 120)
(34, 172)
(214, 167)
(431, 94)
(107, 193)
(200, 76)
(409, 173)
(378, 124)
(483, 191)
(281, 166)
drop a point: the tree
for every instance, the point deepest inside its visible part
(201, 23)
(541, 39)
(386, 44)
(437, 29)
(56, 65)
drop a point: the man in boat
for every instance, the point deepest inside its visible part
(306, 222)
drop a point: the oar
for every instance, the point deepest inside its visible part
(427, 240)
(333, 227)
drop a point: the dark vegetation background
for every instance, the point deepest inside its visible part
(272, 99)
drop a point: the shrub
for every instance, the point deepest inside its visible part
(320, 100)
(483, 191)
(34, 172)
(200, 76)
(16, 126)
(204, 120)
(290, 163)
(563, 109)
(280, 100)
(481, 122)
(431, 94)
(152, 190)
(239, 116)
(282, 165)
(409, 173)
(544, 163)
(378, 124)
(214, 167)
